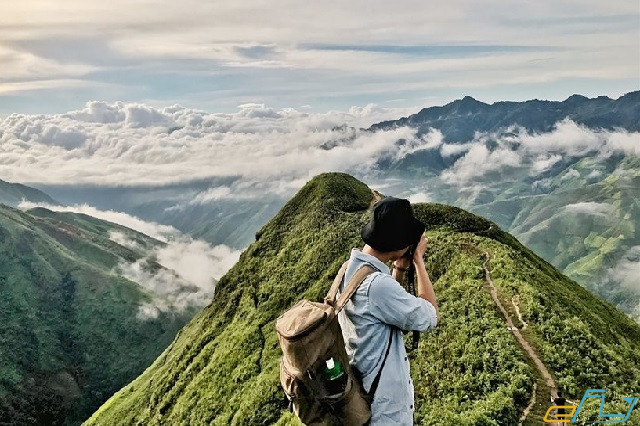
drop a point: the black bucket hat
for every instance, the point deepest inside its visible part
(393, 226)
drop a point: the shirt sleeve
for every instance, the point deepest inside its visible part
(393, 305)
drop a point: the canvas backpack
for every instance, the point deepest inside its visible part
(309, 335)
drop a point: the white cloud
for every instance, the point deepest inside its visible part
(592, 208)
(627, 270)
(152, 229)
(570, 174)
(478, 161)
(189, 268)
(544, 162)
(187, 276)
(451, 149)
(420, 197)
(127, 144)
(122, 239)
(328, 50)
(518, 152)
(594, 174)
(624, 275)
(271, 152)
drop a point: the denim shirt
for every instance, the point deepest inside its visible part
(379, 307)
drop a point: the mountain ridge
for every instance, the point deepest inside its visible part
(460, 119)
(12, 194)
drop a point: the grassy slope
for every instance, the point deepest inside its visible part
(222, 367)
(69, 336)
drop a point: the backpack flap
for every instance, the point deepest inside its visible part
(303, 335)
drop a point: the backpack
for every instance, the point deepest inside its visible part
(309, 336)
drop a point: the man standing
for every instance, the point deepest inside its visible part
(373, 320)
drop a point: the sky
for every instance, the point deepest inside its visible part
(312, 56)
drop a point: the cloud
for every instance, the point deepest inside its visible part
(570, 174)
(420, 197)
(187, 276)
(152, 229)
(130, 144)
(624, 275)
(450, 149)
(627, 270)
(252, 52)
(479, 161)
(544, 162)
(592, 208)
(264, 151)
(188, 268)
(517, 152)
(595, 174)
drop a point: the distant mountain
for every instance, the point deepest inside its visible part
(223, 366)
(217, 222)
(12, 194)
(72, 329)
(579, 212)
(460, 120)
(585, 227)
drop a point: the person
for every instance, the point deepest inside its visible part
(373, 320)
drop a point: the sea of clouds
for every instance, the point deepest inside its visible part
(268, 151)
(271, 151)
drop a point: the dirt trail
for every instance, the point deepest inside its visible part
(527, 410)
(515, 301)
(521, 340)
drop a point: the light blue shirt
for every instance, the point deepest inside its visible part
(381, 306)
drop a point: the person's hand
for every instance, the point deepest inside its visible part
(402, 263)
(421, 249)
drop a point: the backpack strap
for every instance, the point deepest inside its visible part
(376, 380)
(353, 284)
(330, 298)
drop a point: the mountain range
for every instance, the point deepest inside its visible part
(459, 121)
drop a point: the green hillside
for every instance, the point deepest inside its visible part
(222, 368)
(69, 332)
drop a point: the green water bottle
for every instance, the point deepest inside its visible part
(335, 377)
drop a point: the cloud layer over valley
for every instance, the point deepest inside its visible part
(179, 273)
(265, 151)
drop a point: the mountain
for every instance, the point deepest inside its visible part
(560, 187)
(222, 368)
(461, 119)
(13, 194)
(216, 221)
(72, 329)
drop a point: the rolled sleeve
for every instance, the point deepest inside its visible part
(393, 305)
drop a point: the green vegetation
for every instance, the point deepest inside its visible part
(222, 368)
(69, 335)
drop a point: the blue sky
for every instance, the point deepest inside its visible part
(321, 56)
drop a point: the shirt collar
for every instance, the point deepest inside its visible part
(374, 261)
